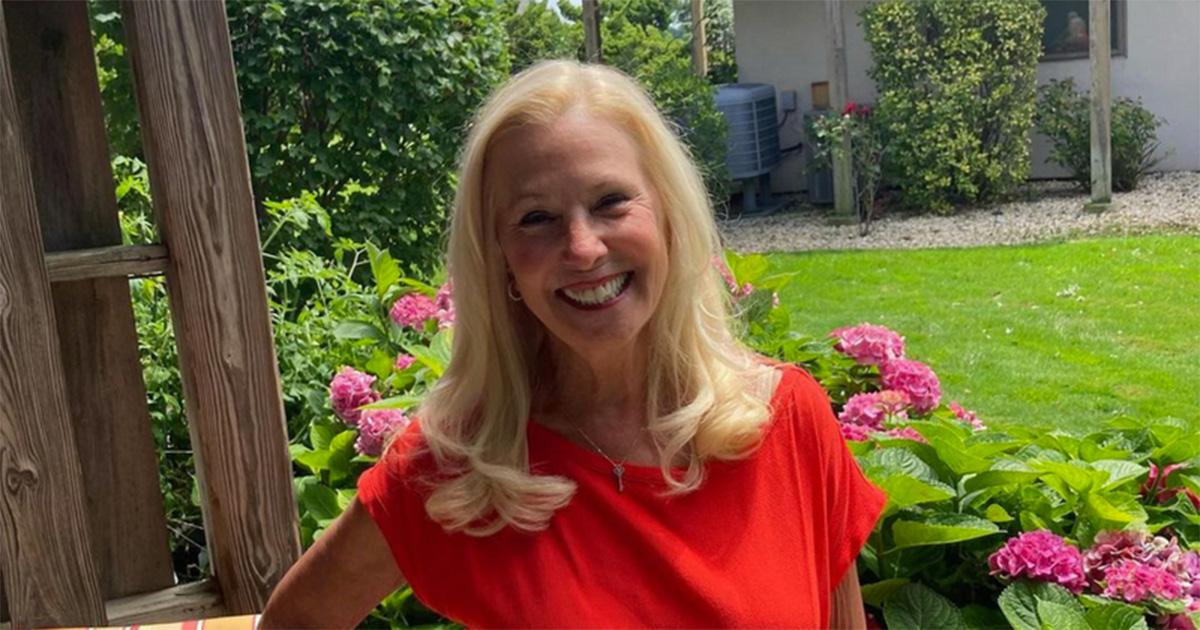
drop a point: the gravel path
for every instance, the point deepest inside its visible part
(1163, 202)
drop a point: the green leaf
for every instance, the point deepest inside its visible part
(1077, 477)
(380, 364)
(1119, 472)
(904, 491)
(358, 330)
(980, 617)
(953, 452)
(992, 478)
(1098, 506)
(997, 514)
(384, 269)
(1055, 616)
(320, 501)
(918, 607)
(405, 401)
(876, 593)
(341, 451)
(314, 461)
(940, 529)
(1116, 616)
(1019, 602)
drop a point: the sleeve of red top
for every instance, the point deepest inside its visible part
(388, 493)
(854, 503)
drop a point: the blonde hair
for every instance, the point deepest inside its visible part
(699, 402)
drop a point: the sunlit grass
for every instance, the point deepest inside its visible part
(1060, 335)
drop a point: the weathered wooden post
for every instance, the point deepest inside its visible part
(591, 31)
(843, 172)
(1100, 54)
(699, 54)
(50, 576)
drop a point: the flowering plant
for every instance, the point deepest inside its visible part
(856, 133)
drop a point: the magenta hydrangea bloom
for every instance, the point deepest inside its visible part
(1114, 547)
(871, 409)
(375, 427)
(403, 361)
(444, 303)
(412, 309)
(1042, 556)
(915, 379)
(967, 417)
(349, 390)
(855, 433)
(726, 275)
(1133, 581)
(869, 344)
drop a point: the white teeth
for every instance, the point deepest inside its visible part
(600, 294)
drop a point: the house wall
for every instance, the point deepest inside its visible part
(783, 42)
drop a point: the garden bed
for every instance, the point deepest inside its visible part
(1043, 211)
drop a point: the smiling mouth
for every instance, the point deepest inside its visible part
(599, 296)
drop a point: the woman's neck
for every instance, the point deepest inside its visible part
(600, 393)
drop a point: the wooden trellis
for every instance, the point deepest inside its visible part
(83, 539)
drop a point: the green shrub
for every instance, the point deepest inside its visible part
(1063, 116)
(536, 32)
(364, 105)
(956, 82)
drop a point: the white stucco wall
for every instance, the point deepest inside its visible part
(783, 42)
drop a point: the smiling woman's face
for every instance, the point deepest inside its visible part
(580, 228)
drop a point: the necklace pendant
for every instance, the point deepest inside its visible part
(618, 471)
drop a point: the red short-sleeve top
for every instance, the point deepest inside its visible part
(763, 542)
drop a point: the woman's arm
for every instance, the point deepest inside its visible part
(847, 603)
(337, 582)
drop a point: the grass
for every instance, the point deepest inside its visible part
(1064, 335)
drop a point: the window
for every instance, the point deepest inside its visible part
(1065, 31)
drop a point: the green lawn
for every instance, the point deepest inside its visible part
(1059, 335)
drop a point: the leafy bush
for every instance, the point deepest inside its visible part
(536, 32)
(860, 126)
(364, 105)
(1064, 117)
(956, 84)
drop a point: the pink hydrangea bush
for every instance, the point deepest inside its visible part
(869, 344)
(443, 302)
(1041, 556)
(403, 361)
(873, 408)
(967, 417)
(349, 390)
(1133, 582)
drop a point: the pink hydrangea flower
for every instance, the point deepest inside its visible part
(915, 379)
(869, 344)
(403, 361)
(1114, 547)
(871, 409)
(968, 417)
(412, 309)
(1175, 622)
(855, 433)
(1040, 555)
(907, 433)
(444, 303)
(375, 427)
(747, 289)
(349, 390)
(1133, 581)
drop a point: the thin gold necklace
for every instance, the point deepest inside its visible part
(618, 469)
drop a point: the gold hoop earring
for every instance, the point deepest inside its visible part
(512, 293)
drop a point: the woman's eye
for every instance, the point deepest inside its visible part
(612, 200)
(534, 218)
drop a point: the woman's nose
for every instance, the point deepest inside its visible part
(585, 247)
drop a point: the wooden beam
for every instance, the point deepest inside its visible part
(843, 171)
(55, 76)
(197, 600)
(699, 44)
(1100, 54)
(50, 578)
(120, 261)
(591, 31)
(200, 185)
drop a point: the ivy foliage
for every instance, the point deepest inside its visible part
(957, 89)
(364, 105)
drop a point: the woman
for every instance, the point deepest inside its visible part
(600, 451)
